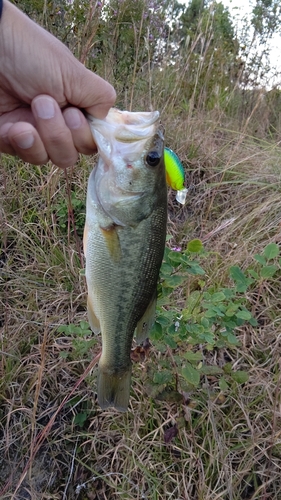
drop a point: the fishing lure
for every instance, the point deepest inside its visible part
(175, 174)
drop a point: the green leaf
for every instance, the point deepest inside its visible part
(166, 269)
(208, 337)
(163, 377)
(239, 321)
(271, 251)
(80, 419)
(253, 322)
(69, 329)
(210, 313)
(244, 314)
(218, 297)
(174, 281)
(227, 368)
(64, 354)
(85, 328)
(170, 342)
(175, 257)
(231, 310)
(232, 339)
(259, 258)
(164, 320)
(156, 332)
(193, 356)
(223, 332)
(195, 246)
(166, 253)
(237, 275)
(230, 323)
(213, 311)
(210, 370)
(240, 278)
(205, 322)
(195, 328)
(229, 293)
(191, 375)
(195, 269)
(172, 329)
(164, 295)
(268, 271)
(223, 384)
(253, 273)
(240, 376)
(193, 299)
(62, 329)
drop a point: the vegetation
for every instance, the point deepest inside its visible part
(203, 422)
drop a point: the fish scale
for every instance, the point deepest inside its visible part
(132, 281)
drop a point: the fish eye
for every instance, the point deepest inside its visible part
(153, 159)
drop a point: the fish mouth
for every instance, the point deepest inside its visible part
(128, 123)
(123, 133)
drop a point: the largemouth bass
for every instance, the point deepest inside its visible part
(124, 241)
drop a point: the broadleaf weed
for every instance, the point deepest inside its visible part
(79, 211)
(211, 317)
(82, 340)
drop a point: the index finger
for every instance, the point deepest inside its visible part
(88, 91)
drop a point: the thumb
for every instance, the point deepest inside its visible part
(84, 89)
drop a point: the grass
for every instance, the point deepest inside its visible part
(216, 443)
(56, 442)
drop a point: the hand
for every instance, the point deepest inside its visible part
(42, 89)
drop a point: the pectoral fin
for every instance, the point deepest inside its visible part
(146, 322)
(111, 237)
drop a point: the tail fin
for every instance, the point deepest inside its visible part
(114, 389)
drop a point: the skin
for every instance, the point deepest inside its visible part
(42, 91)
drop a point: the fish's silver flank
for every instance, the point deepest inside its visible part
(124, 241)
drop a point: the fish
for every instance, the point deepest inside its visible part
(124, 241)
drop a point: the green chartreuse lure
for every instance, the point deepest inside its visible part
(175, 174)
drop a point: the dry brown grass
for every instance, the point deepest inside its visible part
(229, 443)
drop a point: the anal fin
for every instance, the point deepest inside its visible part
(145, 323)
(85, 238)
(93, 320)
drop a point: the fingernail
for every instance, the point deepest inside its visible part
(25, 140)
(72, 117)
(44, 107)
